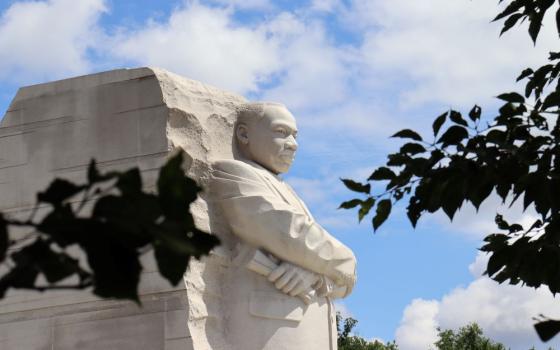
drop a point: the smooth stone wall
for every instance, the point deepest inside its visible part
(123, 118)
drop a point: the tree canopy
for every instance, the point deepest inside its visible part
(349, 341)
(469, 337)
(467, 158)
(111, 221)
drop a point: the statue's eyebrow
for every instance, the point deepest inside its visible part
(284, 125)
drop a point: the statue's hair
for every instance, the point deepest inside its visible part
(253, 111)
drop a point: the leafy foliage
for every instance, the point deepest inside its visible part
(347, 341)
(123, 223)
(517, 155)
(468, 337)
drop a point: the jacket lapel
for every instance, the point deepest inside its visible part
(279, 187)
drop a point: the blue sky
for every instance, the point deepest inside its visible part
(353, 72)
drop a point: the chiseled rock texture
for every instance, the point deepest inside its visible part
(123, 118)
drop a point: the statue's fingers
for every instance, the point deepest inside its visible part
(322, 292)
(298, 289)
(318, 283)
(279, 271)
(290, 285)
(282, 281)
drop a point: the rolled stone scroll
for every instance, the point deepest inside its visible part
(263, 265)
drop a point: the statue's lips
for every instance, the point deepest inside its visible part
(288, 156)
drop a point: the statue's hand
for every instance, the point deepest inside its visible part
(328, 288)
(325, 287)
(293, 280)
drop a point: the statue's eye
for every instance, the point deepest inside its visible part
(282, 132)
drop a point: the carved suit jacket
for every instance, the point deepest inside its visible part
(265, 212)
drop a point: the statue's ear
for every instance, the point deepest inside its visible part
(242, 133)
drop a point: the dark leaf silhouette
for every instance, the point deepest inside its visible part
(123, 223)
(408, 134)
(356, 186)
(515, 154)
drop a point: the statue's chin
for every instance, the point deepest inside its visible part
(283, 168)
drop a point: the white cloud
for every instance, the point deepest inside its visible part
(418, 325)
(478, 266)
(246, 4)
(203, 43)
(449, 50)
(325, 5)
(314, 71)
(478, 224)
(292, 53)
(47, 39)
(504, 312)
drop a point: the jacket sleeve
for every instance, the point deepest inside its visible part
(261, 218)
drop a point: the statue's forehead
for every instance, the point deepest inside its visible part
(279, 115)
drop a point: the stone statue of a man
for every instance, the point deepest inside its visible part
(287, 268)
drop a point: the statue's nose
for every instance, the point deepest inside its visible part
(291, 143)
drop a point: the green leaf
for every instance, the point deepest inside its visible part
(382, 173)
(457, 118)
(502, 224)
(524, 74)
(350, 204)
(94, 176)
(552, 100)
(515, 228)
(496, 136)
(412, 148)
(58, 191)
(4, 239)
(129, 217)
(513, 7)
(439, 122)
(453, 196)
(475, 113)
(171, 265)
(503, 189)
(365, 208)
(512, 97)
(176, 191)
(54, 266)
(454, 135)
(382, 213)
(510, 22)
(535, 25)
(174, 247)
(558, 21)
(92, 172)
(356, 186)
(116, 267)
(130, 182)
(553, 55)
(547, 329)
(496, 262)
(23, 275)
(408, 134)
(414, 212)
(62, 225)
(397, 159)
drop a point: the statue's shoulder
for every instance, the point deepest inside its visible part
(235, 167)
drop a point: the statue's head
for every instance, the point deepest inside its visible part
(266, 134)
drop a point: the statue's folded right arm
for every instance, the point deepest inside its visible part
(258, 215)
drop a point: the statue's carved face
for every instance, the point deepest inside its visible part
(271, 141)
